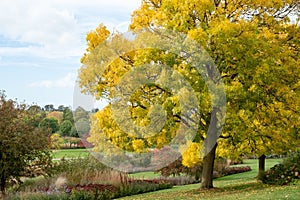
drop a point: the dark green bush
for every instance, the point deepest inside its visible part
(285, 172)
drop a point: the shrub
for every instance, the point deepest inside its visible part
(285, 172)
(176, 168)
(235, 170)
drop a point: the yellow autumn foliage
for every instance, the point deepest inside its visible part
(253, 46)
(191, 155)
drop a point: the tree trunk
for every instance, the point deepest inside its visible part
(2, 186)
(210, 146)
(208, 169)
(261, 167)
(2, 178)
(198, 174)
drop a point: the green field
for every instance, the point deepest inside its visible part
(69, 153)
(145, 175)
(237, 186)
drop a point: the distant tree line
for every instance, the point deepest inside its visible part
(66, 125)
(61, 120)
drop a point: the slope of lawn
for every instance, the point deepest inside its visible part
(237, 186)
(145, 175)
(69, 153)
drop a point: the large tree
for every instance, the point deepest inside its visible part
(57, 115)
(37, 113)
(68, 115)
(255, 48)
(176, 89)
(49, 107)
(23, 146)
(65, 128)
(50, 123)
(264, 117)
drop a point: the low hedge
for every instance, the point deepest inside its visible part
(235, 170)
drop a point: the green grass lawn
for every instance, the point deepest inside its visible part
(145, 175)
(237, 186)
(70, 153)
(252, 163)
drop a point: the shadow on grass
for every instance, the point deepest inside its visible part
(232, 188)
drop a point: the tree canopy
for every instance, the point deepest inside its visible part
(22, 144)
(50, 123)
(255, 47)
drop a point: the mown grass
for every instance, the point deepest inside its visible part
(70, 153)
(237, 186)
(243, 190)
(145, 175)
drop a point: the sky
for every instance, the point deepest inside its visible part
(41, 43)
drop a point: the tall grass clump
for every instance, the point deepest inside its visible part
(85, 178)
(88, 170)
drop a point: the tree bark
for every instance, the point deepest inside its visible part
(2, 177)
(208, 169)
(210, 146)
(261, 167)
(2, 186)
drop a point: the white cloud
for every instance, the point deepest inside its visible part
(47, 37)
(35, 21)
(66, 82)
(57, 28)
